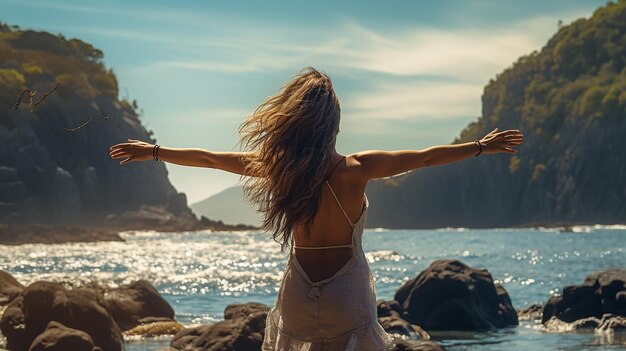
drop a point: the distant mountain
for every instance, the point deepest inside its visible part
(230, 206)
(569, 100)
(59, 114)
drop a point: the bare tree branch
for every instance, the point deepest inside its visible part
(44, 97)
(31, 95)
(19, 101)
(77, 128)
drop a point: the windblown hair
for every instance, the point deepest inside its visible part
(290, 138)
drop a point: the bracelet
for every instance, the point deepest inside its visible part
(155, 152)
(480, 147)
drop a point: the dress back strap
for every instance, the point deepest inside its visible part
(322, 247)
(339, 203)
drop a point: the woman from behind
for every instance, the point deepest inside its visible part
(313, 204)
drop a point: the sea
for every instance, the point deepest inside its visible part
(199, 273)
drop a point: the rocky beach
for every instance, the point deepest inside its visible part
(53, 307)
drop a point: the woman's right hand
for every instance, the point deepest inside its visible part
(498, 142)
(133, 150)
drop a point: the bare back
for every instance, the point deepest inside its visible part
(331, 227)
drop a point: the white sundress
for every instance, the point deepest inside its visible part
(334, 314)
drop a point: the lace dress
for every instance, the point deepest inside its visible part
(337, 313)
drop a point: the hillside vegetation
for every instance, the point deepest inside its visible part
(54, 161)
(569, 100)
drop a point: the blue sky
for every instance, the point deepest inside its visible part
(409, 74)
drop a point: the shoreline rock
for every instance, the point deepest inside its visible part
(19, 234)
(533, 312)
(598, 304)
(29, 315)
(243, 329)
(449, 295)
(10, 288)
(45, 314)
(131, 305)
(164, 220)
(153, 219)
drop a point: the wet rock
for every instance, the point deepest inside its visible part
(530, 313)
(390, 318)
(159, 328)
(12, 325)
(29, 315)
(450, 295)
(242, 329)
(9, 288)
(611, 323)
(601, 293)
(130, 304)
(586, 324)
(58, 337)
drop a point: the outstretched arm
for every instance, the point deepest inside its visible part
(379, 164)
(135, 150)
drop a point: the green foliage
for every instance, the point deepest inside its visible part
(514, 164)
(75, 84)
(591, 101)
(4, 27)
(106, 83)
(539, 168)
(569, 99)
(39, 57)
(577, 78)
(11, 79)
(86, 50)
(32, 69)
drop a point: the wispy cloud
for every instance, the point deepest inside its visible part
(415, 100)
(464, 58)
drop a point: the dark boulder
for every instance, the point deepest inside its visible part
(242, 329)
(450, 295)
(12, 325)
(132, 303)
(601, 293)
(28, 316)
(9, 288)
(58, 337)
(390, 318)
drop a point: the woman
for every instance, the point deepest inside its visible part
(314, 204)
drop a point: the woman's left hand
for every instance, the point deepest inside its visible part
(134, 150)
(497, 142)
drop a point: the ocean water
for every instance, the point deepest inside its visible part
(200, 273)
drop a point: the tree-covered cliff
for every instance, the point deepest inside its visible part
(49, 174)
(569, 100)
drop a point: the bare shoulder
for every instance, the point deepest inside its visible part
(354, 168)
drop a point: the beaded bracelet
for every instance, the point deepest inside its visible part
(155, 152)
(480, 147)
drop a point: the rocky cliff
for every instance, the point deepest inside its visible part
(59, 114)
(569, 100)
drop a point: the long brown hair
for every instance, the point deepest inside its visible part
(291, 138)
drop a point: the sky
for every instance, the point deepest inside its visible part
(409, 74)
